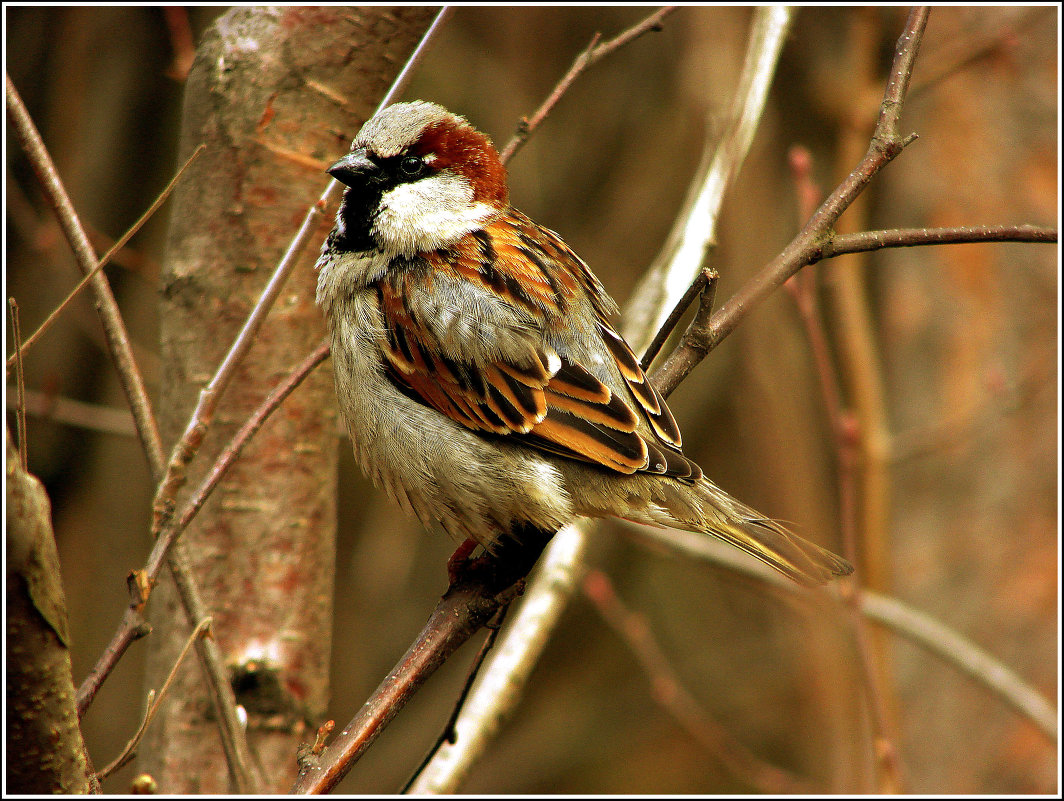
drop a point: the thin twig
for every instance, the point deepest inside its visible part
(68, 411)
(228, 456)
(941, 640)
(154, 702)
(20, 384)
(594, 53)
(693, 345)
(840, 244)
(233, 740)
(470, 603)
(501, 682)
(678, 701)
(960, 652)
(884, 147)
(861, 429)
(114, 328)
(845, 429)
(106, 258)
(449, 734)
(677, 312)
(132, 628)
(695, 229)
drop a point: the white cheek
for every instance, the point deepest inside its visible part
(429, 214)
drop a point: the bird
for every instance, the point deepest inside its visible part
(476, 367)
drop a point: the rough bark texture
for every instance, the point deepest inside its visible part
(45, 750)
(275, 94)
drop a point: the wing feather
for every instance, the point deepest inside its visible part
(544, 399)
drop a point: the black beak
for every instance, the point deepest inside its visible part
(354, 169)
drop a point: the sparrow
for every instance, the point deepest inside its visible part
(476, 368)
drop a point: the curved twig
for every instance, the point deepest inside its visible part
(501, 682)
(165, 528)
(233, 739)
(906, 621)
(595, 52)
(106, 258)
(154, 702)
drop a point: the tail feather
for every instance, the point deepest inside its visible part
(713, 511)
(794, 557)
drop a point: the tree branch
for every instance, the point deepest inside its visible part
(594, 53)
(500, 684)
(885, 145)
(932, 634)
(133, 383)
(840, 244)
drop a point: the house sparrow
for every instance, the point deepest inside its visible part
(480, 378)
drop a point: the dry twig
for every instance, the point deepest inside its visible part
(594, 53)
(164, 527)
(932, 634)
(20, 385)
(678, 701)
(154, 700)
(499, 686)
(106, 258)
(233, 739)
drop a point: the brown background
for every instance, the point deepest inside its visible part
(967, 349)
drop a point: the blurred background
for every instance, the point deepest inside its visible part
(961, 366)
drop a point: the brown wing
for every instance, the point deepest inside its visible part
(546, 400)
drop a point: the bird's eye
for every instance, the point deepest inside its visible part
(411, 165)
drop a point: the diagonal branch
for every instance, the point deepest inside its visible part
(884, 147)
(501, 681)
(901, 618)
(594, 53)
(165, 528)
(233, 739)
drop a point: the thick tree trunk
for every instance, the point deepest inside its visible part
(275, 94)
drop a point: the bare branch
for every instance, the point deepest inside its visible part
(20, 385)
(884, 147)
(932, 634)
(694, 232)
(133, 383)
(72, 412)
(500, 685)
(106, 258)
(114, 328)
(694, 344)
(678, 701)
(154, 699)
(594, 53)
(706, 280)
(916, 237)
(473, 600)
(958, 651)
